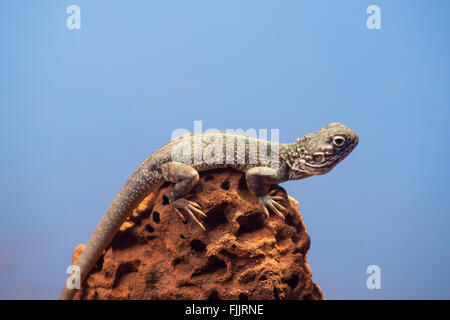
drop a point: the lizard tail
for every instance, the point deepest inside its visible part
(131, 194)
(102, 236)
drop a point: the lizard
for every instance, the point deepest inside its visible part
(179, 162)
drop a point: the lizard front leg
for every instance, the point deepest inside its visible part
(255, 178)
(185, 178)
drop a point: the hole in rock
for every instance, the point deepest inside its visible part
(243, 296)
(250, 223)
(126, 269)
(214, 295)
(212, 265)
(275, 293)
(197, 246)
(156, 217)
(216, 217)
(225, 185)
(292, 281)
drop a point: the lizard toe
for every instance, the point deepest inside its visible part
(189, 207)
(271, 202)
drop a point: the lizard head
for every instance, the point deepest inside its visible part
(319, 152)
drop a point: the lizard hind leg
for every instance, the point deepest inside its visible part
(185, 178)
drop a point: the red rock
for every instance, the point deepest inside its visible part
(76, 253)
(242, 255)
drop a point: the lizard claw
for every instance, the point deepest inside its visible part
(190, 207)
(269, 200)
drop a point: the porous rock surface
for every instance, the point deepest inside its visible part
(242, 255)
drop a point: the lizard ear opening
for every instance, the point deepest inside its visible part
(319, 157)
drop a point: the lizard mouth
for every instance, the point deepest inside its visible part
(323, 164)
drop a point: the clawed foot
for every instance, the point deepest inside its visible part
(269, 200)
(189, 207)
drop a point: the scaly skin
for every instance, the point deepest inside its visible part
(263, 162)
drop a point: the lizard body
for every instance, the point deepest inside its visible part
(180, 161)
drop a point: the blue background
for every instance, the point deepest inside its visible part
(80, 109)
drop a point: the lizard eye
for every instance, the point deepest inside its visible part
(318, 157)
(338, 141)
